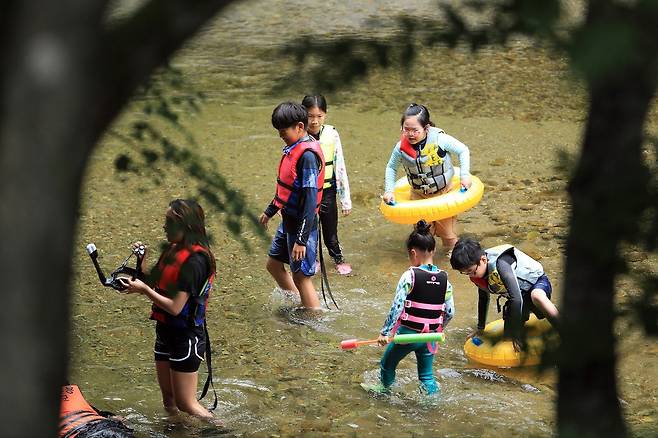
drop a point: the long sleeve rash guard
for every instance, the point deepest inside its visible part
(514, 297)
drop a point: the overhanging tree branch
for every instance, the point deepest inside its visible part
(134, 47)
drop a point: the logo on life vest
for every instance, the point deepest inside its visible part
(430, 156)
(496, 284)
(433, 280)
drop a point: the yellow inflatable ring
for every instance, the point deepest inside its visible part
(485, 350)
(407, 211)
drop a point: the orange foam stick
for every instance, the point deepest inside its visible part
(348, 344)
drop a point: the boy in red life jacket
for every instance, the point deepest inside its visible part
(298, 196)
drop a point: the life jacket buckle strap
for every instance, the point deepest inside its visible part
(427, 188)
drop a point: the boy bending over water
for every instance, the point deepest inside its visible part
(508, 273)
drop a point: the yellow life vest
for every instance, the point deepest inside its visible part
(327, 141)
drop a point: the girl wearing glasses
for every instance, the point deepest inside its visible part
(424, 153)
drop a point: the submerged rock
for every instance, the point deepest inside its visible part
(529, 388)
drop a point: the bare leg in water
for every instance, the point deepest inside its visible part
(282, 277)
(546, 306)
(445, 229)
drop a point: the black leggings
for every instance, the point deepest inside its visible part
(329, 222)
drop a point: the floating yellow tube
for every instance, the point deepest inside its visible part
(407, 211)
(484, 349)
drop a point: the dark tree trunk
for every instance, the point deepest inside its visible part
(63, 79)
(44, 144)
(608, 191)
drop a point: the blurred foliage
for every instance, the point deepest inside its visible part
(625, 32)
(334, 62)
(162, 106)
(565, 163)
(644, 308)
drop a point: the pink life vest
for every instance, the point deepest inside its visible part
(425, 304)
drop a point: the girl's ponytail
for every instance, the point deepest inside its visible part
(421, 237)
(420, 111)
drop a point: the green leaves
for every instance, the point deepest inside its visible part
(162, 148)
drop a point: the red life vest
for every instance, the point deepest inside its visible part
(413, 153)
(429, 168)
(287, 195)
(407, 148)
(75, 412)
(169, 266)
(480, 282)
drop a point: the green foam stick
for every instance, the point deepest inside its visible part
(420, 337)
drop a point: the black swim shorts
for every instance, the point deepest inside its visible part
(184, 348)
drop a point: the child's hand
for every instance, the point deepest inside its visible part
(519, 345)
(466, 181)
(133, 286)
(389, 198)
(347, 211)
(138, 247)
(298, 252)
(382, 340)
(264, 219)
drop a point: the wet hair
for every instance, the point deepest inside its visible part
(416, 110)
(466, 253)
(288, 114)
(316, 100)
(421, 237)
(188, 217)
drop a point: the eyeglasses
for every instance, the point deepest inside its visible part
(471, 271)
(412, 130)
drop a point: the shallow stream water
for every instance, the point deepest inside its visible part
(279, 372)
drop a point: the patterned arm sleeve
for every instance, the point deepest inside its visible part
(401, 292)
(340, 170)
(449, 305)
(451, 144)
